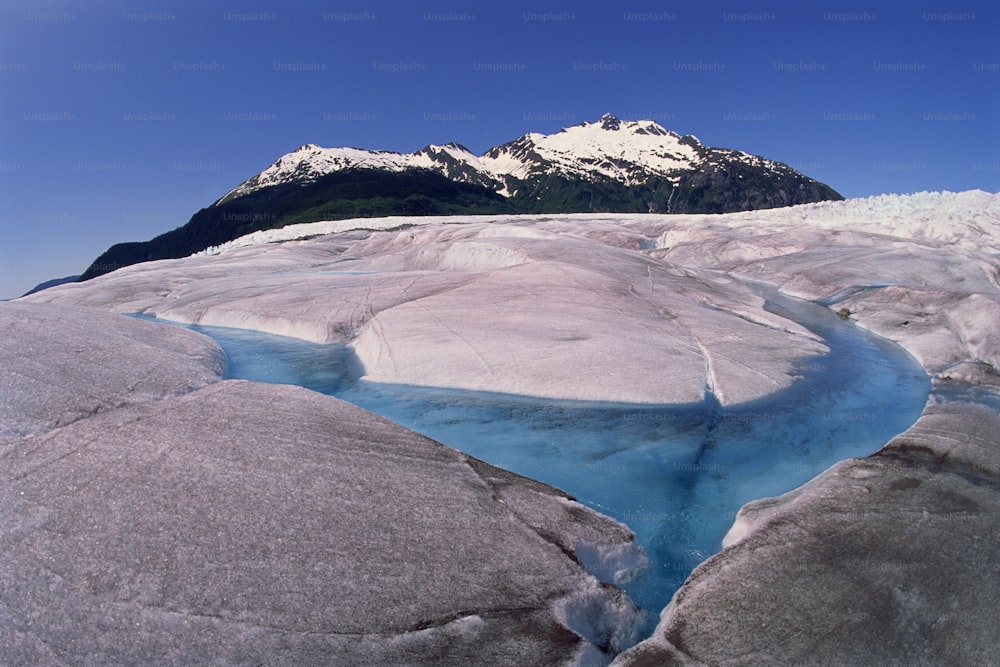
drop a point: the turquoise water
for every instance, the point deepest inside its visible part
(676, 475)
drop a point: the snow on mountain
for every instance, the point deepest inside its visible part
(309, 162)
(625, 151)
(609, 165)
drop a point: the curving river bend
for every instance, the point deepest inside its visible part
(676, 475)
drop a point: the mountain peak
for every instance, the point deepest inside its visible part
(631, 153)
(626, 166)
(610, 122)
(430, 149)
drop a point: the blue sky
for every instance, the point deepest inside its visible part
(119, 120)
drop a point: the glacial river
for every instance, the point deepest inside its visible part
(675, 475)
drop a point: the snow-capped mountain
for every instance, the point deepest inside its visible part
(309, 162)
(630, 153)
(626, 151)
(611, 165)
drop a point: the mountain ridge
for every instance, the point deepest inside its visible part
(609, 165)
(630, 152)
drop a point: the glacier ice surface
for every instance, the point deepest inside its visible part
(920, 269)
(155, 513)
(675, 474)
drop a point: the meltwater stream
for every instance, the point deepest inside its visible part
(675, 475)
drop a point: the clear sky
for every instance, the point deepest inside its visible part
(119, 120)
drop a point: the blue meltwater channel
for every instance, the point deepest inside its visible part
(676, 475)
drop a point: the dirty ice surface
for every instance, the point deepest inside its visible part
(675, 474)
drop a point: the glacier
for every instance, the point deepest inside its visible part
(401, 300)
(676, 475)
(903, 537)
(154, 512)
